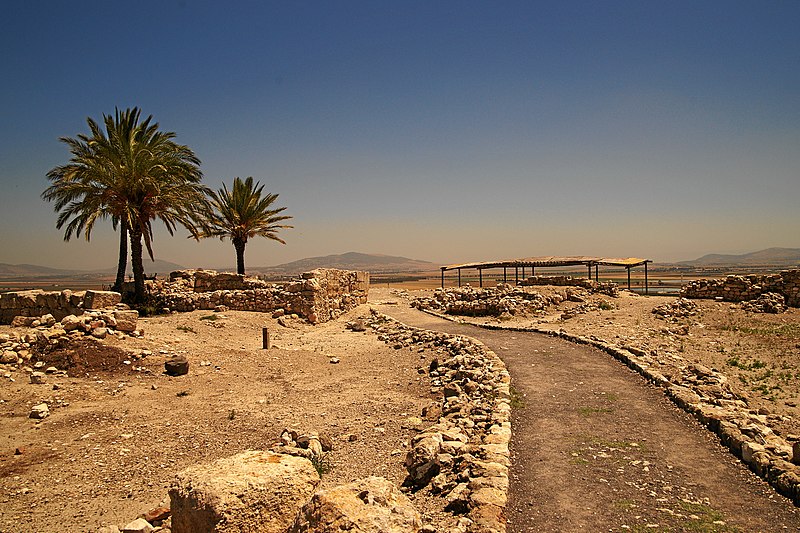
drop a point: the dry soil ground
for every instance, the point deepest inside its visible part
(118, 432)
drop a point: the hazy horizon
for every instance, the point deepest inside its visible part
(446, 132)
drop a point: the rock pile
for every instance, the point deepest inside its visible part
(680, 308)
(505, 298)
(18, 347)
(318, 296)
(309, 445)
(745, 288)
(770, 302)
(464, 455)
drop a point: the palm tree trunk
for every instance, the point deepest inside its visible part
(239, 245)
(123, 257)
(138, 267)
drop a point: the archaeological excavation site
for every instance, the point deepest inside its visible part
(533, 402)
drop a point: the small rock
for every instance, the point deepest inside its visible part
(38, 378)
(158, 514)
(177, 366)
(140, 525)
(40, 411)
(334, 360)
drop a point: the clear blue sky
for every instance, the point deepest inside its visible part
(445, 131)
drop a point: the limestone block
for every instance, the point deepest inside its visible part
(22, 321)
(126, 320)
(101, 299)
(370, 505)
(254, 491)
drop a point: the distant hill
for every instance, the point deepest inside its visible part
(36, 271)
(779, 257)
(159, 266)
(352, 261)
(32, 271)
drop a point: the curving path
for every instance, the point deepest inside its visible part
(596, 448)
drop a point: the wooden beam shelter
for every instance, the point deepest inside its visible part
(553, 262)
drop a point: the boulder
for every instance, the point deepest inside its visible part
(101, 299)
(370, 505)
(253, 491)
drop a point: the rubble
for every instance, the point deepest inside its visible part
(464, 455)
(769, 302)
(680, 308)
(746, 288)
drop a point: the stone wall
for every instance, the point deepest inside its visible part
(606, 287)
(36, 303)
(318, 296)
(745, 288)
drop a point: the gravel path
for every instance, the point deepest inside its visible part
(595, 448)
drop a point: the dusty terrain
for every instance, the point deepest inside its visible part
(119, 431)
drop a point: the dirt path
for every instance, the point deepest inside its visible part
(595, 448)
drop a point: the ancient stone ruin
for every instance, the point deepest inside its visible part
(317, 296)
(746, 288)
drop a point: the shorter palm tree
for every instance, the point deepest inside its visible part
(242, 213)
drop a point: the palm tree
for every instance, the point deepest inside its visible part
(90, 188)
(242, 213)
(133, 173)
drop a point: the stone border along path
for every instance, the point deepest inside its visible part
(742, 432)
(465, 455)
(637, 460)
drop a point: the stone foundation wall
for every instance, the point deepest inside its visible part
(745, 288)
(560, 281)
(606, 287)
(36, 303)
(318, 296)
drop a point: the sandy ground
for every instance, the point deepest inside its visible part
(119, 432)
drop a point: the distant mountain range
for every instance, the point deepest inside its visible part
(7, 270)
(349, 261)
(376, 263)
(778, 257)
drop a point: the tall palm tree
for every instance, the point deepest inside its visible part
(89, 188)
(242, 213)
(132, 173)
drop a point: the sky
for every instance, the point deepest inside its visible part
(446, 131)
